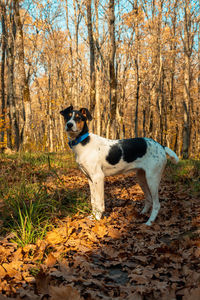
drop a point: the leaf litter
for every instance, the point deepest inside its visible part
(117, 257)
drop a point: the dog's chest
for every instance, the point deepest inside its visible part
(93, 152)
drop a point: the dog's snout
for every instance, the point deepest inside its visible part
(69, 125)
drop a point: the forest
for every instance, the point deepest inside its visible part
(135, 64)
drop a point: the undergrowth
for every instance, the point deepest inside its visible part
(27, 206)
(186, 172)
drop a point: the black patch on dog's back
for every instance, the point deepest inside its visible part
(133, 148)
(114, 155)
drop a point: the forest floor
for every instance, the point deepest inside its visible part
(50, 249)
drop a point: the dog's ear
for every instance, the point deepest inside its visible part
(66, 110)
(85, 112)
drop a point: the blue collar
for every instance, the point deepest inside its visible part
(78, 140)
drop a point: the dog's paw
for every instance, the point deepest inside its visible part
(96, 215)
(91, 217)
(148, 223)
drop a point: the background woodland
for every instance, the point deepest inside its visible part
(134, 63)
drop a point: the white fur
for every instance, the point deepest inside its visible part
(74, 127)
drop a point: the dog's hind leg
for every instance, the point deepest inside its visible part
(153, 181)
(144, 186)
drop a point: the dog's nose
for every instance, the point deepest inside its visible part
(69, 125)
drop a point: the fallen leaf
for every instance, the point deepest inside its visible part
(2, 272)
(140, 279)
(64, 293)
(136, 296)
(57, 236)
(50, 261)
(114, 233)
(100, 230)
(193, 294)
(10, 271)
(28, 295)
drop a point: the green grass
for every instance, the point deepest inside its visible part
(187, 173)
(64, 160)
(27, 207)
(28, 212)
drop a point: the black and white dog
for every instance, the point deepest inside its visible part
(99, 157)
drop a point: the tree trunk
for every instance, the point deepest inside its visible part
(77, 19)
(186, 113)
(26, 104)
(187, 103)
(137, 62)
(98, 103)
(172, 107)
(3, 103)
(11, 104)
(98, 74)
(112, 74)
(92, 57)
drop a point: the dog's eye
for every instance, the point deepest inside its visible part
(77, 118)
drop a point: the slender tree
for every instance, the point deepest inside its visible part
(26, 102)
(13, 132)
(92, 56)
(3, 51)
(112, 71)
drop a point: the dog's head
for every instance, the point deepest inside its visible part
(75, 121)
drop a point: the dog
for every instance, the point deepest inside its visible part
(98, 157)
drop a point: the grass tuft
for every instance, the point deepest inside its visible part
(28, 206)
(29, 213)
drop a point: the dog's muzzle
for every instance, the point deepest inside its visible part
(69, 126)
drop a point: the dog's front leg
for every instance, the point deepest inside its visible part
(97, 194)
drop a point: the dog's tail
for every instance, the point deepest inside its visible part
(172, 155)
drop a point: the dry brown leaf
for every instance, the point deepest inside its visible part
(56, 236)
(100, 230)
(2, 272)
(10, 271)
(140, 279)
(18, 254)
(50, 260)
(169, 295)
(26, 249)
(64, 272)
(111, 252)
(114, 233)
(135, 296)
(92, 236)
(28, 295)
(28, 277)
(193, 294)
(64, 293)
